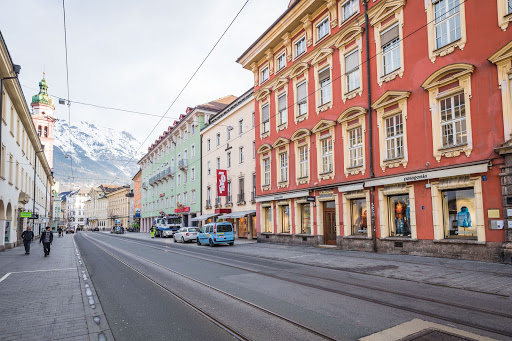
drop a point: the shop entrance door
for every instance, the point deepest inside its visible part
(329, 225)
(254, 231)
(242, 228)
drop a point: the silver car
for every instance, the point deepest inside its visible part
(186, 234)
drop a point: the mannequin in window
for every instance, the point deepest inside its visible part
(464, 217)
(399, 216)
(363, 224)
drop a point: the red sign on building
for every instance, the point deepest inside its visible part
(222, 190)
(182, 209)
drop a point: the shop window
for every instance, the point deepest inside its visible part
(284, 212)
(358, 217)
(458, 209)
(267, 219)
(399, 215)
(305, 218)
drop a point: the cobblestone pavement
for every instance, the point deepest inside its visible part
(494, 278)
(43, 298)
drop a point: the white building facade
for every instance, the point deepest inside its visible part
(75, 209)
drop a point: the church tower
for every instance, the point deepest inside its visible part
(42, 115)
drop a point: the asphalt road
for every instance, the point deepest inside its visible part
(281, 300)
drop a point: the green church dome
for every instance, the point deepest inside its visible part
(42, 97)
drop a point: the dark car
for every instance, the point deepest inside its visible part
(96, 229)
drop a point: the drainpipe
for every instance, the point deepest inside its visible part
(370, 123)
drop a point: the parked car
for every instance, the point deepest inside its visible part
(70, 230)
(96, 229)
(216, 233)
(186, 234)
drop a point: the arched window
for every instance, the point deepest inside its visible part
(39, 131)
(45, 131)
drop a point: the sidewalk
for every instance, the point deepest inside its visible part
(493, 278)
(43, 298)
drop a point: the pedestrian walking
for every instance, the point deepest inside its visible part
(152, 232)
(28, 237)
(46, 239)
(60, 231)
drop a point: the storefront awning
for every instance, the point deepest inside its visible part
(236, 215)
(205, 217)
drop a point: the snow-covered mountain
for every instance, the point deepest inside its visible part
(98, 154)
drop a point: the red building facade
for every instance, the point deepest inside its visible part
(411, 140)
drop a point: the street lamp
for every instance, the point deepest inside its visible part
(16, 69)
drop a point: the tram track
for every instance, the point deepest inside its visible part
(193, 254)
(201, 311)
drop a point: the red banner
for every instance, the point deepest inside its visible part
(222, 184)
(182, 209)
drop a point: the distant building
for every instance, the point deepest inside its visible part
(75, 208)
(119, 207)
(137, 194)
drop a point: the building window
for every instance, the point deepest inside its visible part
(218, 139)
(324, 80)
(352, 70)
(218, 162)
(300, 46)
(253, 150)
(229, 159)
(179, 179)
(208, 196)
(253, 119)
(355, 147)
(192, 174)
(349, 8)
(208, 145)
(265, 118)
(241, 190)
(283, 113)
(267, 219)
(266, 171)
(192, 129)
(281, 61)
(264, 75)
(302, 99)
(45, 131)
(284, 211)
(390, 42)
(303, 161)
(192, 151)
(326, 152)
(453, 121)
(394, 137)
(458, 209)
(241, 155)
(228, 133)
(193, 197)
(447, 22)
(229, 199)
(283, 166)
(322, 29)
(209, 168)
(399, 215)
(509, 6)
(39, 131)
(358, 217)
(240, 127)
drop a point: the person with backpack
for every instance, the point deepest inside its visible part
(46, 239)
(28, 237)
(60, 231)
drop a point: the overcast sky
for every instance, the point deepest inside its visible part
(133, 54)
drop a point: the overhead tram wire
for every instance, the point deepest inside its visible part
(312, 93)
(67, 85)
(188, 82)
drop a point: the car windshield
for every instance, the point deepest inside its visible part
(224, 228)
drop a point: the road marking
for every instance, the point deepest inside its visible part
(5, 276)
(20, 272)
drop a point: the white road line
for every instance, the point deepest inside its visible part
(20, 272)
(5, 276)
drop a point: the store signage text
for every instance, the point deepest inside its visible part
(221, 183)
(182, 209)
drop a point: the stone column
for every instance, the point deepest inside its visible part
(506, 191)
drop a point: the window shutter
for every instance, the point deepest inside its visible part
(301, 91)
(389, 35)
(351, 61)
(265, 113)
(282, 103)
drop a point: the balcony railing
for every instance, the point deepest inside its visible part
(217, 202)
(241, 198)
(183, 164)
(208, 203)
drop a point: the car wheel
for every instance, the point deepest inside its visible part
(198, 242)
(174, 238)
(211, 243)
(183, 240)
(231, 244)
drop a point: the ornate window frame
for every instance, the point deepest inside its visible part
(265, 65)
(320, 130)
(389, 14)
(384, 209)
(503, 60)
(433, 53)
(349, 40)
(352, 118)
(454, 183)
(300, 37)
(282, 145)
(435, 84)
(301, 138)
(504, 18)
(389, 104)
(315, 28)
(280, 88)
(322, 60)
(298, 75)
(265, 151)
(347, 196)
(263, 98)
(280, 52)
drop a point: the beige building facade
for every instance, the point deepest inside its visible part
(118, 204)
(227, 142)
